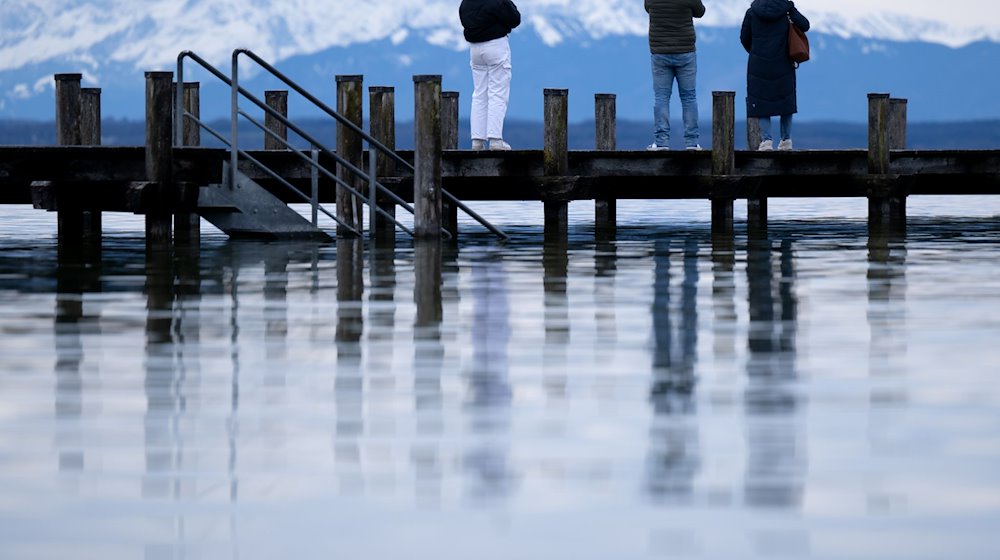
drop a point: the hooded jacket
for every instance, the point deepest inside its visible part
(485, 20)
(771, 87)
(671, 25)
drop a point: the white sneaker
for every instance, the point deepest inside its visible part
(478, 144)
(499, 144)
(785, 145)
(695, 148)
(654, 148)
(766, 146)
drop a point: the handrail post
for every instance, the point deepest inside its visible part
(605, 139)
(556, 156)
(159, 158)
(187, 225)
(723, 159)
(427, 156)
(449, 141)
(234, 115)
(349, 147)
(382, 127)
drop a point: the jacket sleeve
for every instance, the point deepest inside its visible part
(697, 8)
(746, 37)
(798, 19)
(646, 4)
(509, 15)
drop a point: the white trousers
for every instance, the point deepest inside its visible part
(490, 87)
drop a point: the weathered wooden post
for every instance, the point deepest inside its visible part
(886, 202)
(449, 141)
(556, 157)
(427, 156)
(277, 100)
(753, 131)
(159, 158)
(70, 215)
(382, 127)
(349, 210)
(90, 135)
(897, 124)
(723, 159)
(187, 225)
(428, 266)
(756, 204)
(605, 139)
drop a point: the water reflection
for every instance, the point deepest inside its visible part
(349, 383)
(776, 453)
(887, 299)
(555, 267)
(489, 387)
(674, 447)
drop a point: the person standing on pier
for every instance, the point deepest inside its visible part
(771, 88)
(486, 25)
(673, 56)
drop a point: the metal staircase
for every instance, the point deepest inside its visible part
(241, 207)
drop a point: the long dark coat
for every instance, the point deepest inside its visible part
(770, 73)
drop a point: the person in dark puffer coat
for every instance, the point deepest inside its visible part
(771, 87)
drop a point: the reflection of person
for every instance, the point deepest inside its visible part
(770, 72)
(487, 24)
(672, 55)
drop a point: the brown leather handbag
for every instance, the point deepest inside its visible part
(798, 43)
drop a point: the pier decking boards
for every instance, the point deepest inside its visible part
(163, 181)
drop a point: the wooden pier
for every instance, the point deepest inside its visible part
(80, 179)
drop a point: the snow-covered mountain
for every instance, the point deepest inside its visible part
(112, 41)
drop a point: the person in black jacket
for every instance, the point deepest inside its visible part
(487, 24)
(770, 72)
(673, 57)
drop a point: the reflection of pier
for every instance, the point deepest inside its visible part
(776, 452)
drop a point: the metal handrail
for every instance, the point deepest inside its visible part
(374, 144)
(218, 136)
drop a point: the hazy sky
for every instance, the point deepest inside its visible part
(961, 12)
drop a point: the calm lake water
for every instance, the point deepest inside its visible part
(817, 394)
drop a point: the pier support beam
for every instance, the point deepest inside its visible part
(897, 124)
(885, 209)
(187, 225)
(427, 156)
(556, 156)
(723, 159)
(757, 204)
(349, 210)
(605, 139)
(72, 226)
(382, 127)
(90, 135)
(160, 158)
(449, 141)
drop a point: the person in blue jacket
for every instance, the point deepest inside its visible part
(771, 88)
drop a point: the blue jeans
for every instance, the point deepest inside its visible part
(786, 128)
(667, 67)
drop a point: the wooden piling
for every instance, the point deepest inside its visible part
(753, 134)
(68, 108)
(556, 158)
(382, 127)
(449, 141)
(349, 147)
(605, 139)
(187, 225)
(90, 135)
(427, 156)
(886, 203)
(277, 100)
(159, 157)
(723, 157)
(878, 133)
(897, 124)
